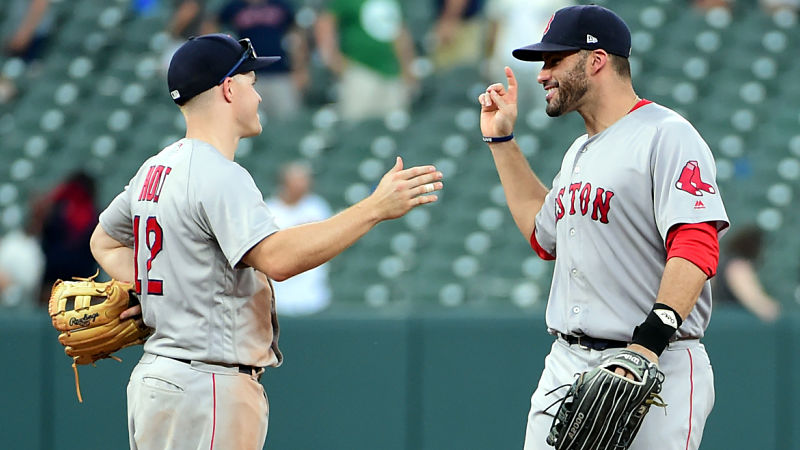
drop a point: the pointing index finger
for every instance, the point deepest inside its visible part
(512, 80)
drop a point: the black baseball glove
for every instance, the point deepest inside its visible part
(604, 410)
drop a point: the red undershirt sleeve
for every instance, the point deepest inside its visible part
(538, 248)
(696, 243)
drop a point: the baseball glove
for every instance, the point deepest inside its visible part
(604, 410)
(86, 312)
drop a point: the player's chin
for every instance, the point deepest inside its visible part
(554, 110)
(255, 130)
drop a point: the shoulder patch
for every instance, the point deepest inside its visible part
(691, 182)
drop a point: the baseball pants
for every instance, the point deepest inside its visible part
(688, 391)
(175, 405)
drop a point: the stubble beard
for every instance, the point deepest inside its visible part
(571, 90)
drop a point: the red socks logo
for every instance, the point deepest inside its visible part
(690, 181)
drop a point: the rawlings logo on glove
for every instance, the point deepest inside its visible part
(86, 312)
(83, 321)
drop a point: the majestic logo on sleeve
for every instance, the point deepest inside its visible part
(690, 181)
(582, 198)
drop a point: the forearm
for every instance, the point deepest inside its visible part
(186, 12)
(299, 50)
(113, 257)
(404, 50)
(327, 38)
(681, 285)
(31, 20)
(742, 279)
(294, 250)
(118, 263)
(453, 9)
(524, 192)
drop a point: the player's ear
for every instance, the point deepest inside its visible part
(227, 89)
(597, 60)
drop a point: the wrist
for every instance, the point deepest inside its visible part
(644, 351)
(498, 139)
(370, 210)
(657, 329)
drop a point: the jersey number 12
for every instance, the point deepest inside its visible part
(154, 239)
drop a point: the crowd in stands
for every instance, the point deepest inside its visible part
(377, 66)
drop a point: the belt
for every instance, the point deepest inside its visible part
(247, 370)
(592, 343)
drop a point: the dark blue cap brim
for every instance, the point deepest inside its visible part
(534, 52)
(258, 63)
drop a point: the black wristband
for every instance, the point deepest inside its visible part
(657, 329)
(489, 139)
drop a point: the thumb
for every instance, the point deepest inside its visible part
(398, 165)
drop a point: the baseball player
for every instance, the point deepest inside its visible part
(193, 233)
(632, 221)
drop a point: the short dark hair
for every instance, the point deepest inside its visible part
(621, 65)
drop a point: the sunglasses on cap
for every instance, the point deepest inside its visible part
(248, 53)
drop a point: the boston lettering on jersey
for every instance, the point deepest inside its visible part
(598, 200)
(154, 182)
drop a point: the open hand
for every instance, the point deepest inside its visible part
(401, 190)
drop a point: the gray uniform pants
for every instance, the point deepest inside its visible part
(688, 391)
(175, 405)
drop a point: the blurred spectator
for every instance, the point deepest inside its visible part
(27, 25)
(186, 21)
(773, 6)
(737, 280)
(512, 24)
(458, 34)
(296, 204)
(21, 268)
(68, 215)
(705, 5)
(366, 44)
(270, 26)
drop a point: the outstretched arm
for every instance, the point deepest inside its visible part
(294, 250)
(524, 192)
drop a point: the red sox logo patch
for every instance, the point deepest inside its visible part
(690, 181)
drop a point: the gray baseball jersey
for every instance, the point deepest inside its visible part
(607, 217)
(191, 214)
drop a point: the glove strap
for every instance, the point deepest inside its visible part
(657, 329)
(77, 381)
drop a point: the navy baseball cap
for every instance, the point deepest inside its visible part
(580, 27)
(205, 61)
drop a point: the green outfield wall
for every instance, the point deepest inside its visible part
(396, 380)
